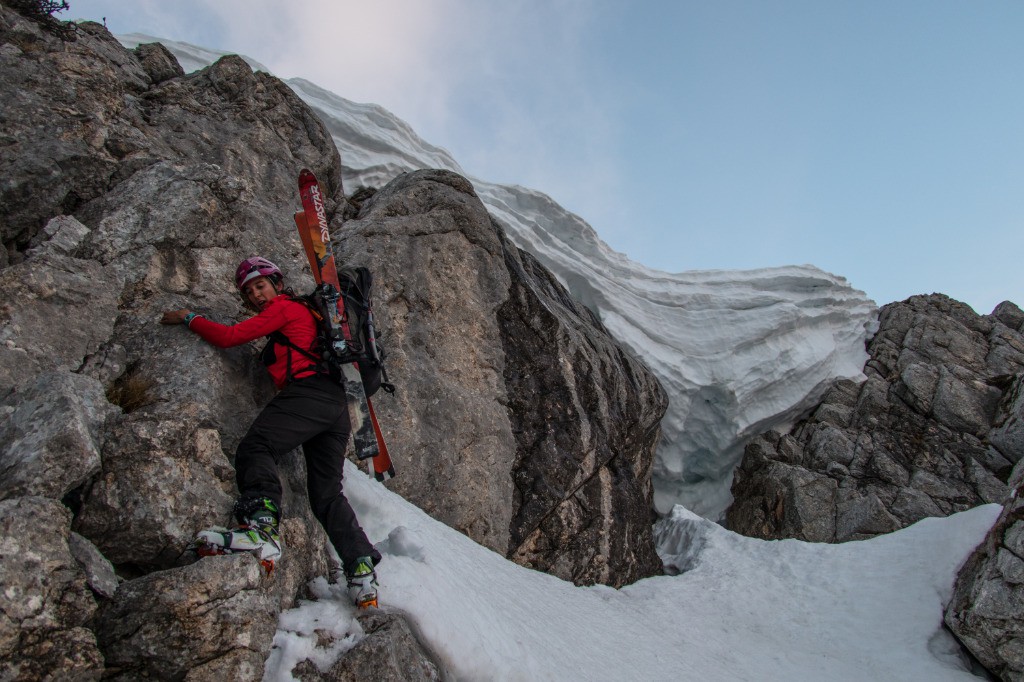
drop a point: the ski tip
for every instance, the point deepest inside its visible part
(306, 177)
(384, 475)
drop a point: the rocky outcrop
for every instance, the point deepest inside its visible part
(583, 498)
(130, 189)
(934, 430)
(114, 440)
(388, 652)
(46, 603)
(987, 609)
(520, 421)
(214, 619)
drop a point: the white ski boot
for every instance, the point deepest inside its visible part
(258, 534)
(362, 583)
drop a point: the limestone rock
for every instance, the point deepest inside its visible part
(52, 434)
(388, 652)
(170, 180)
(40, 297)
(158, 485)
(158, 62)
(433, 252)
(119, 113)
(213, 616)
(584, 459)
(519, 421)
(99, 572)
(986, 612)
(1009, 314)
(1007, 438)
(935, 429)
(46, 604)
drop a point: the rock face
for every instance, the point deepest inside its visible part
(129, 189)
(51, 436)
(582, 496)
(520, 422)
(214, 619)
(934, 430)
(388, 652)
(46, 603)
(986, 612)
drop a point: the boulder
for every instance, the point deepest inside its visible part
(214, 619)
(520, 421)
(46, 604)
(986, 612)
(99, 572)
(52, 435)
(935, 429)
(388, 651)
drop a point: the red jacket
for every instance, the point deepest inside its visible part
(282, 314)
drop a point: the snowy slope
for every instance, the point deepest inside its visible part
(745, 610)
(738, 351)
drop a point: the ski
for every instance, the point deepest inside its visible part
(311, 222)
(382, 466)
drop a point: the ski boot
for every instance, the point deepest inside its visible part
(362, 583)
(257, 534)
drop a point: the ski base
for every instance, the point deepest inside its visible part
(363, 437)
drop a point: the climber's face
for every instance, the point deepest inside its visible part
(261, 291)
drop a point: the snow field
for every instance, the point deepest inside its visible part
(744, 610)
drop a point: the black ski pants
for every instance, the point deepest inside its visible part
(311, 412)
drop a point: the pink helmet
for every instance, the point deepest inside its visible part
(254, 267)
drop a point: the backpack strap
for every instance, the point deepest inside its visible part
(385, 385)
(279, 337)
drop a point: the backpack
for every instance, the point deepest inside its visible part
(362, 348)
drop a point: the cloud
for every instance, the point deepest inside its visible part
(507, 87)
(390, 53)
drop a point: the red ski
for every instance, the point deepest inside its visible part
(316, 241)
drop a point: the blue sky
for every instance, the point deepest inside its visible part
(881, 141)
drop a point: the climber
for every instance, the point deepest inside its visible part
(310, 410)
